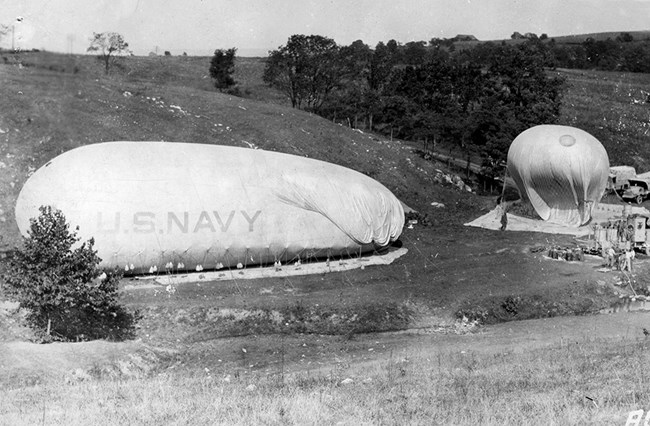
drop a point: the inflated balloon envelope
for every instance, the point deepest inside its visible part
(160, 205)
(562, 170)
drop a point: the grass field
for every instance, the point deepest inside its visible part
(215, 354)
(589, 381)
(614, 108)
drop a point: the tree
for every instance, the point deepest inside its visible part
(355, 60)
(602, 54)
(222, 67)
(519, 94)
(635, 58)
(109, 45)
(350, 98)
(415, 52)
(479, 98)
(625, 38)
(307, 69)
(66, 295)
(381, 66)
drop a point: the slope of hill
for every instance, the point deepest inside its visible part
(218, 332)
(615, 108)
(53, 103)
(580, 38)
(638, 36)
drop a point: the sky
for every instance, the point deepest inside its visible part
(254, 27)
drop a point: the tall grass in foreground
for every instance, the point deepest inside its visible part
(589, 382)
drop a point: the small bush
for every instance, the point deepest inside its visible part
(66, 295)
(472, 313)
(512, 305)
(222, 67)
(234, 91)
(497, 309)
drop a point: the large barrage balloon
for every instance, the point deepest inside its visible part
(562, 170)
(157, 205)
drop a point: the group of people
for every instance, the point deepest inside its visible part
(620, 260)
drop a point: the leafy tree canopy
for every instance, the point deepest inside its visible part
(222, 68)
(306, 69)
(108, 45)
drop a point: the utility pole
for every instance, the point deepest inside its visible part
(71, 41)
(13, 32)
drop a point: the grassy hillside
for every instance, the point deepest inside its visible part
(53, 103)
(57, 102)
(564, 39)
(289, 350)
(453, 380)
(615, 108)
(580, 38)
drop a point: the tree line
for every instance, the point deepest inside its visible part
(478, 99)
(622, 53)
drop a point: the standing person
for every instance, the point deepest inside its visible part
(504, 220)
(630, 258)
(622, 262)
(610, 256)
(503, 210)
(627, 260)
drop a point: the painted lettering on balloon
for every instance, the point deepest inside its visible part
(182, 226)
(250, 220)
(145, 222)
(224, 227)
(104, 227)
(205, 221)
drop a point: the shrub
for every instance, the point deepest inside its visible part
(66, 296)
(222, 67)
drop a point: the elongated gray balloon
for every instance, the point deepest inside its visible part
(156, 204)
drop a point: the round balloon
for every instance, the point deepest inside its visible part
(562, 170)
(152, 206)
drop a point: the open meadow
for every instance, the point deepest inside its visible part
(471, 326)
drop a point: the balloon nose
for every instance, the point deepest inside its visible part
(567, 140)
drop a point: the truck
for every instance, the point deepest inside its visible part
(637, 191)
(632, 231)
(619, 177)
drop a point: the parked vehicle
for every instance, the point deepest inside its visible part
(638, 190)
(637, 229)
(628, 232)
(619, 177)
